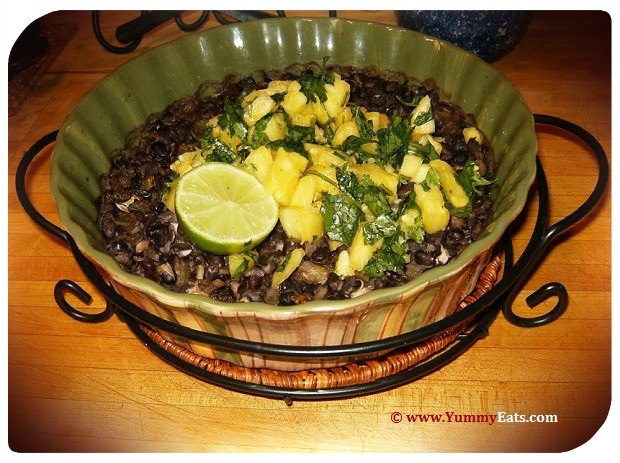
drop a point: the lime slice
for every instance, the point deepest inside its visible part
(224, 210)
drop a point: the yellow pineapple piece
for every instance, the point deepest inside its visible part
(378, 175)
(305, 117)
(262, 105)
(292, 262)
(428, 138)
(241, 262)
(375, 118)
(337, 96)
(360, 252)
(304, 192)
(302, 223)
(187, 161)
(283, 175)
(450, 186)
(472, 132)
(322, 185)
(278, 86)
(435, 216)
(343, 265)
(344, 131)
(322, 116)
(276, 127)
(324, 155)
(428, 127)
(410, 166)
(294, 102)
(258, 163)
(299, 161)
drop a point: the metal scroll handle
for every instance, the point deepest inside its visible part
(545, 235)
(63, 285)
(130, 34)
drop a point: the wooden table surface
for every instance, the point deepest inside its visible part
(81, 387)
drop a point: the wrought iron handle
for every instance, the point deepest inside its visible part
(63, 285)
(544, 235)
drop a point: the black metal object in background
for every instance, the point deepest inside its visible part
(130, 34)
(483, 310)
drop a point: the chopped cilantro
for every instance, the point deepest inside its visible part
(469, 178)
(232, 121)
(389, 257)
(222, 152)
(341, 218)
(426, 152)
(382, 227)
(414, 102)
(314, 86)
(363, 125)
(393, 142)
(423, 117)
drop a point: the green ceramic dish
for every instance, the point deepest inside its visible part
(122, 100)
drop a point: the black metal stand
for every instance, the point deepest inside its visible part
(483, 311)
(130, 34)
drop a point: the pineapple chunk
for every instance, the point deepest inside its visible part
(240, 263)
(360, 252)
(434, 213)
(168, 197)
(424, 107)
(278, 86)
(322, 116)
(304, 192)
(276, 127)
(410, 166)
(420, 176)
(378, 175)
(344, 131)
(294, 102)
(472, 132)
(450, 186)
(297, 159)
(291, 262)
(337, 96)
(375, 118)
(262, 105)
(302, 223)
(425, 139)
(305, 117)
(323, 185)
(258, 163)
(343, 265)
(323, 155)
(187, 161)
(343, 116)
(283, 175)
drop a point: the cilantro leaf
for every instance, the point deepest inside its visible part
(341, 218)
(426, 152)
(222, 152)
(232, 120)
(382, 227)
(423, 117)
(388, 258)
(469, 178)
(393, 142)
(363, 125)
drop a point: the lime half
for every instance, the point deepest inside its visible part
(224, 210)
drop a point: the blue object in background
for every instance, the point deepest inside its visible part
(488, 34)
